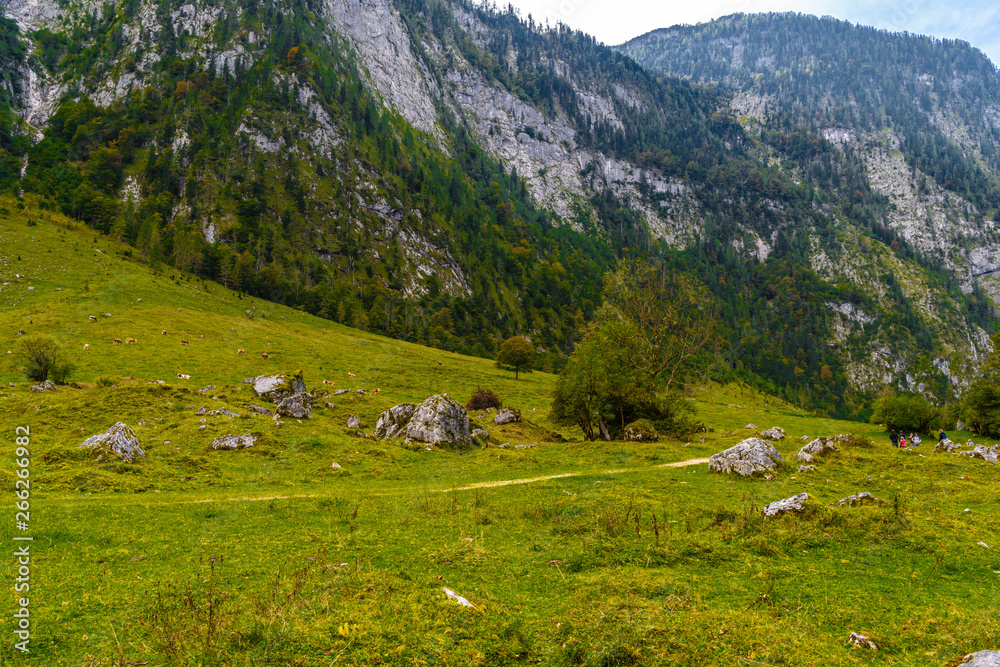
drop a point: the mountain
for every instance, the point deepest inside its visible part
(452, 174)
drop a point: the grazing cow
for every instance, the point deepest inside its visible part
(265, 355)
(116, 341)
(130, 340)
(328, 382)
(164, 332)
(184, 376)
(86, 347)
(439, 363)
(350, 374)
(93, 318)
(241, 351)
(232, 329)
(201, 336)
(375, 390)
(184, 342)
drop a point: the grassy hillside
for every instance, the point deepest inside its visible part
(594, 554)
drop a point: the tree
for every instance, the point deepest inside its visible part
(516, 354)
(40, 358)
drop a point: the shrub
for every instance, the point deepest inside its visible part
(483, 399)
(909, 413)
(107, 382)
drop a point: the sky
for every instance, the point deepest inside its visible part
(617, 21)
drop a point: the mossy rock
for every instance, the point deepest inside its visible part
(641, 430)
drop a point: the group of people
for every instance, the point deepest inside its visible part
(903, 441)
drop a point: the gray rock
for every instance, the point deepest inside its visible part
(983, 659)
(863, 498)
(234, 441)
(226, 413)
(807, 468)
(202, 427)
(507, 416)
(795, 503)
(119, 440)
(280, 386)
(205, 390)
(960, 425)
(392, 422)
(861, 640)
(353, 422)
(804, 438)
(296, 406)
(481, 433)
(748, 458)
(336, 466)
(48, 385)
(257, 408)
(947, 445)
(820, 447)
(641, 431)
(984, 453)
(340, 392)
(203, 410)
(751, 425)
(774, 433)
(440, 420)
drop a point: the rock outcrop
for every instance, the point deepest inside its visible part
(751, 457)
(440, 420)
(862, 641)
(296, 406)
(43, 387)
(640, 431)
(984, 453)
(392, 422)
(119, 440)
(818, 448)
(507, 416)
(946, 445)
(234, 441)
(280, 386)
(862, 498)
(983, 659)
(795, 503)
(353, 422)
(773, 433)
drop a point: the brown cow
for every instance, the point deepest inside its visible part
(86, 346)
(241, 351)
(93, 318)
(265, 355)
(130, 340)
(116, 341)
(328, 382)
(184, 342)
(350, 374)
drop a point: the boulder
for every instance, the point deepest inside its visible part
(947, 445)
(280, 386)
(774, 433)
(41, 388)
(353, 422)
(203, 410)
(804, 438)
(296, 406)
(807, 468)
(641, 430)
(795, 503)
(748, 458)
(234, 441)
(440, 420)
(960, 425)
(392, 422)
(507, 416)
(340, 392)
(751, 426)
(119, 440)
(863, 498)
(984, 453)
(983, 659)
(819, 447)
(861, 640)
(257, 408)
(481, 433)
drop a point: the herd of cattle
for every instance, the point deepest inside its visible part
(130, 341)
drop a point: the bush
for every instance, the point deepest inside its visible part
(908, 413)
(983, 401)
(105, 382)
(483, 399)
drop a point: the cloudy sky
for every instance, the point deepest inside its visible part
(617, 21)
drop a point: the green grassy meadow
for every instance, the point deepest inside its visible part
(595, 554)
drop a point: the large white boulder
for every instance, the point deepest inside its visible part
(277, 387)
(392, 422)
(751, 457)
(118, 440)
(440, 420)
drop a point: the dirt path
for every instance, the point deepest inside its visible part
(477, 485)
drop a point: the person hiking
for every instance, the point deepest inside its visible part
(894, 437)
(942, 436)
(914, 439)
(902, 440)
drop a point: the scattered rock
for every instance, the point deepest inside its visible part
(257, 408)
(807, 468)
(143, 422)
(507, 416)
(748, 458)
(795, 503)
(392, 422)
(983, 659)
(225, 413)
(205, 390)
(340, 392)
(234, 441)
(863, 498)
(48, 385)
(641, 430)
(947, 445)
(481, 433)
(804, 438)
(329, 404)
(353, 422)
(280, 386)
(458, 598)
(440, 420)
(203, 410)
(336, 466)
(523, 446)
(960, 425)
(751, 426)
(119, 440)
(202, 427)
(819, 447)
(984, 453)
(296, 406)
(774, 433)
(861, 640)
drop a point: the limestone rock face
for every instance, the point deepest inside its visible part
(392, 422)
(507, 416)
(750, 457)
(947, 445)
(296, 406)
(640, 431)
(984, 453)
(794, 504)
(819, 447)
(440, 420)
(774, 433)
(234, 441)
(119, 440)
(280, 386)
(983, 659)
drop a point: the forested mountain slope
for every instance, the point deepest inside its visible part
(454, 175)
